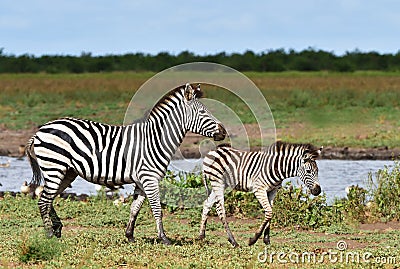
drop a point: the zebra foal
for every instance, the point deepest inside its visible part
(260, 172)
(116, 155)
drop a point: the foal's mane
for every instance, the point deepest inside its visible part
(280, 146)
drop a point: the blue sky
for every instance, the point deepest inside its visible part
(101, 27)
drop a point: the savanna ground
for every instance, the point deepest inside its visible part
(93, 237)
(356, 110)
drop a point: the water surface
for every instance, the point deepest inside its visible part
(334, 175)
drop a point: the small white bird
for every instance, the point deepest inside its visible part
(38, 191)
(5, 165)
(348, 188)
(119, 201)
(369, 204)
(25, 188)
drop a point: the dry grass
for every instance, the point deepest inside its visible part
(318, 107)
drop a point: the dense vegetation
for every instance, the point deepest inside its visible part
(269, 61)
(378, 202)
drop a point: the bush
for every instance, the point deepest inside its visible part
(182, 190)
(242, 203)
(294, 207)
(385, 192)
(353, 207)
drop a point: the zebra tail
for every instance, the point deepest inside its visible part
(37, 175)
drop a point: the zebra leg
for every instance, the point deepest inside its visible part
(152, 192)
(68, 179)
(208, 203)
(262, 198)
(45, 205)
(222, 216)
(52, 187)
(135, 208)
(271, 197)
(56, 222)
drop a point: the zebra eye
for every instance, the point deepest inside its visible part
(202, 111)
(308, 171)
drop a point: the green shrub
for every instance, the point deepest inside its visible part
(182, 190)
(242, 203)
(294, 207)
(354, 205)
(384, 190)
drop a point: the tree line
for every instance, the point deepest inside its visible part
(269, 61)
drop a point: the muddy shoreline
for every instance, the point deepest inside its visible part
(12, 144)
(336, 153)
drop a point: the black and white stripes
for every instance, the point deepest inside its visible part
(115, 155)
(260, 172)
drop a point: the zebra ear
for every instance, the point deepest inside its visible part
(307, 155)
(312, 155)
(198, 93)
(189, 92)
(319, 151)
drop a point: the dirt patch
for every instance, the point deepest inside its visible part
(380, 226)
(12, 143)
(327, 241)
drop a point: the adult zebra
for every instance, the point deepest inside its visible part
(115, 155)
(260, 172)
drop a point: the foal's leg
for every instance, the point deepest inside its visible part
(271, 196)
(222, 216)
(208, 203)
(135, 208)
(261, 195)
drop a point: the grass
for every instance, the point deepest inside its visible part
(359, 109)
(93, 237)
(302, 227)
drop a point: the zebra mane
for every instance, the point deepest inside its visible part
(166, 99)
(224, 145)
(280, 146)
(176, 92)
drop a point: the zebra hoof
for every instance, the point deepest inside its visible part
(252, 241)
(202, 237)
(266, 241)
(57, 234)
(166, 241)
(57, 231)
(233, 242)
(131, 239)
(49, 233)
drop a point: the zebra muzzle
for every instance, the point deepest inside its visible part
(316, 190)
(220, 134)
